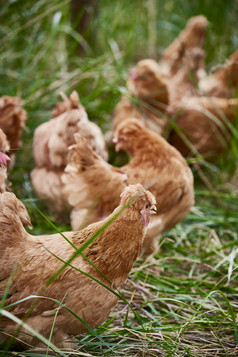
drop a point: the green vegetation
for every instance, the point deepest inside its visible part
(185, 297)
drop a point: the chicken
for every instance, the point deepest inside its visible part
(184, 83)
(12, 120)
(112, 245)
(203, 126)
(50, 149)
(148, 98)
(223, 82)
(92, 185)
(192, 36)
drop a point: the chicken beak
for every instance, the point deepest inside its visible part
(153, 209)
(114, 140)
(145, 214)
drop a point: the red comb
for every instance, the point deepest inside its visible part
(133, 74)
(4, 159)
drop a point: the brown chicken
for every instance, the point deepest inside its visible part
(93, 186)
(184, 83)
(148, 97)
(12, 120)
(50, 149)
(223, 82)
(192, 36)
(203, 126)
(35, 259)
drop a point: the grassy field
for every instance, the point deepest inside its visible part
(184, 299)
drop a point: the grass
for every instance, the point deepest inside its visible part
(184, 297)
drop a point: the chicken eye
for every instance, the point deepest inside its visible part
(147, 206)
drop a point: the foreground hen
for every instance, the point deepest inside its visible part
(93, 186)
(113, 252)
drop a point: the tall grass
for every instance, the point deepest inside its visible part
(184, 297)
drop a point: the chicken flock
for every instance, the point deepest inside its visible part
(172, 110)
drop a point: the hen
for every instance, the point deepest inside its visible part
(12, 120)
(50, 149)
(93, 186)
(192, 36)
(111, 245)
(203, 126)
(224, 81)
(148, 97)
